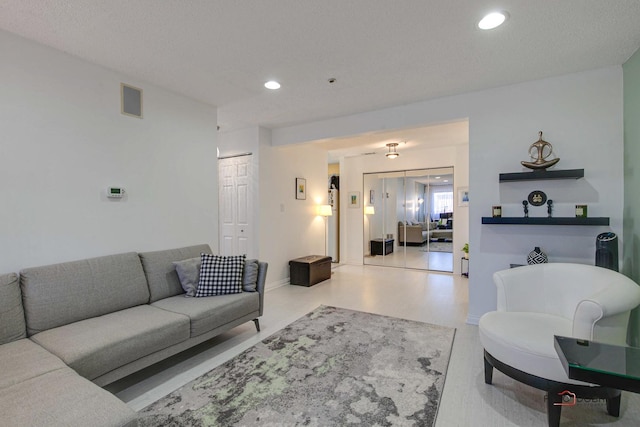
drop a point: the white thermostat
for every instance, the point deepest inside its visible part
(115, 192)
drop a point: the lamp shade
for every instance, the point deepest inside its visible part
(325, 210)
(369, 210)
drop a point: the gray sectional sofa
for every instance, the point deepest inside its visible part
(69, 328)
(419, 233)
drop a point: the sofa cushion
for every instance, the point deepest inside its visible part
(62, 398)
(59, 294)
(209, 313)
(525, 341)
(12, 326)
(250, 275)
(24, 359)
(161, 273)
(96, 346)
(220, 275)
(189, 274)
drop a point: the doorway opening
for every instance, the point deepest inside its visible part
(409, 218)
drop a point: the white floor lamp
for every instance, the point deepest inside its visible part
(369, 210)
(325, 211)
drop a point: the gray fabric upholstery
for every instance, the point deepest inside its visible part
(262, 279)
(95, 346)
(208, 313)
(92, 319)
(60, 294)
(250, 275)
(62, 399)
(161, 273)
(189, 274)
(159, 356)
(12, 326)
(24, 359)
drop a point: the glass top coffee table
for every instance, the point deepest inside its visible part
(608, 365)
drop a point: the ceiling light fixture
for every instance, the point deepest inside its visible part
(392, 154)
(272, 84)
(492, 20)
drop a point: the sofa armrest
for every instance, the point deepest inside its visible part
(262, 278)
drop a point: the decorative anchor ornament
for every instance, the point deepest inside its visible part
(539, 151)
(549, 207)
(526, 208)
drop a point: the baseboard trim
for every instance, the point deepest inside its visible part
(473, 320)
(275, 285)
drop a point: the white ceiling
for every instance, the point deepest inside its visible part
(382, 52)
(443, 135)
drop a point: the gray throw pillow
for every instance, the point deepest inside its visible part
(12, 327)
(250, 276)
(189, 274)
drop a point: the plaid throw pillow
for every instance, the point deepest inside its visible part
(220, 275)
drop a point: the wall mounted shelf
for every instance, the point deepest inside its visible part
(538, 175)
(546, 221)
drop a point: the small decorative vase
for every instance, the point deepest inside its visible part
(466, 255)
(536, 256)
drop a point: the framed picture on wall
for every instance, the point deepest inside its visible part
(463, 196)
(301, 189)
(354, 199)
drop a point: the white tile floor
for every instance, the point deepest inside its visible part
(438, 298)
(414, 257)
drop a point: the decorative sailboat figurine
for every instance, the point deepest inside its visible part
(539, 151)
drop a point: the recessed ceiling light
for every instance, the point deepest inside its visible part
(446, 180)
(437, 177)
(492, 20)
(272, 84)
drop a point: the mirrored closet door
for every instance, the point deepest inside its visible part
(409, 219)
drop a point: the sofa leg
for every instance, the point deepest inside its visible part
(488, 371)
(257, 322)
(613, 405)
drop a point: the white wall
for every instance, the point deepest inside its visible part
(580, 114)
(290, 228)
(64, 142)
(286, 228)
(239, 141)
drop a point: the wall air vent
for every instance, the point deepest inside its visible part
(131, 100)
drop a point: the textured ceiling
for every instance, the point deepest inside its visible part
(382, 52)
(443, 135)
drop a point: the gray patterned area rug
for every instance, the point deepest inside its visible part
(332, 367)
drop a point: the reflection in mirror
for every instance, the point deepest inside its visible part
(409, 219)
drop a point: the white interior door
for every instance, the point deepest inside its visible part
(236, 206)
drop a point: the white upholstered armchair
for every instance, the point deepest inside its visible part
(537, 302)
